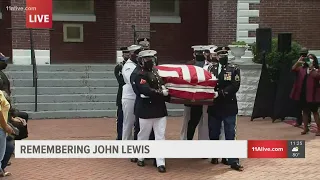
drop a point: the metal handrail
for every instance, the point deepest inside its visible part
(34, 63)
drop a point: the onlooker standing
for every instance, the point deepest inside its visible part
(306, 88)
(4, 128)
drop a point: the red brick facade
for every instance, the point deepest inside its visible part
(173, 41)
(299, 17)
(5, 22)
(202, 22)
(222, 23)
(99, 38)
(21, 38)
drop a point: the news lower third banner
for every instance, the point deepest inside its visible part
(159, 149)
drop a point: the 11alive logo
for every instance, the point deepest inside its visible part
(41, 15)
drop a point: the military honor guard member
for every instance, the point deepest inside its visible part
(128, 95)
(144, 42)
(150, 107)
(119, 77)
(225, 107)
(203, 130)
(196, 110)
(133, 76)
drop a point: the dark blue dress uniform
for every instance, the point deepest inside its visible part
(119, 77)
(154, 106)
(134, 87)
(225, 107)
(150, 105)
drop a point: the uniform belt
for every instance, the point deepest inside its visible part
(143, 96)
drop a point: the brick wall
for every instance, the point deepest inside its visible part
(21, 38)
(5, 22)
(173, 41)
(128, 13)
(299, 17)
(222, 24)
(99, 39)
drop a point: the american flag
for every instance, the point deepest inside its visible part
(188, 82)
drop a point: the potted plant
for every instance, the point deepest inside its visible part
(238, 49)
(274, 59)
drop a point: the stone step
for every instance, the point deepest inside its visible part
(72, 106)
(64, 67)
(65, 98)
(66, 83)
(85, 114)
(63, 90)
(60, 75)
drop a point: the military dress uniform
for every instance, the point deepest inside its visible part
(196, 110)
(225, 107)
(150, 106)
(203, 130)
(128, 95)
(134, 87)
(121, 83)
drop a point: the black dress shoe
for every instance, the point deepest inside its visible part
(162, 169)
(134, 160)
(224, 161)
(214, 161)
(140, 163)
(237, 167)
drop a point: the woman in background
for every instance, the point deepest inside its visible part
(306, 88)
(4, 128)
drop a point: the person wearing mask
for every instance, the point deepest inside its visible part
(203, 131)
(306, 88)
(119, 77)
(128, 95)
(225, 106)
(150, 106)
(144, 42)
(133, 76)
(194, 111)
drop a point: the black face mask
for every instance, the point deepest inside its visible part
(200, 58)
(3, 66)
(223, 60)
(214, 59)
(134, 58)
(148, 65)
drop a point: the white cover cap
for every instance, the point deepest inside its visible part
(212, 48)
(198, 48)
(147, 53)
(134, 47)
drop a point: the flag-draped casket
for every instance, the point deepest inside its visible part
(188, 84)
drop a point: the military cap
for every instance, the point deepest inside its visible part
(222, 50)
(3, 58)
(145, 42)
(124, 49)
(147, 53)
(134, 47)
(210, 49)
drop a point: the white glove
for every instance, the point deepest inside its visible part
(163, 87)
(165, 92)
(216, 94)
